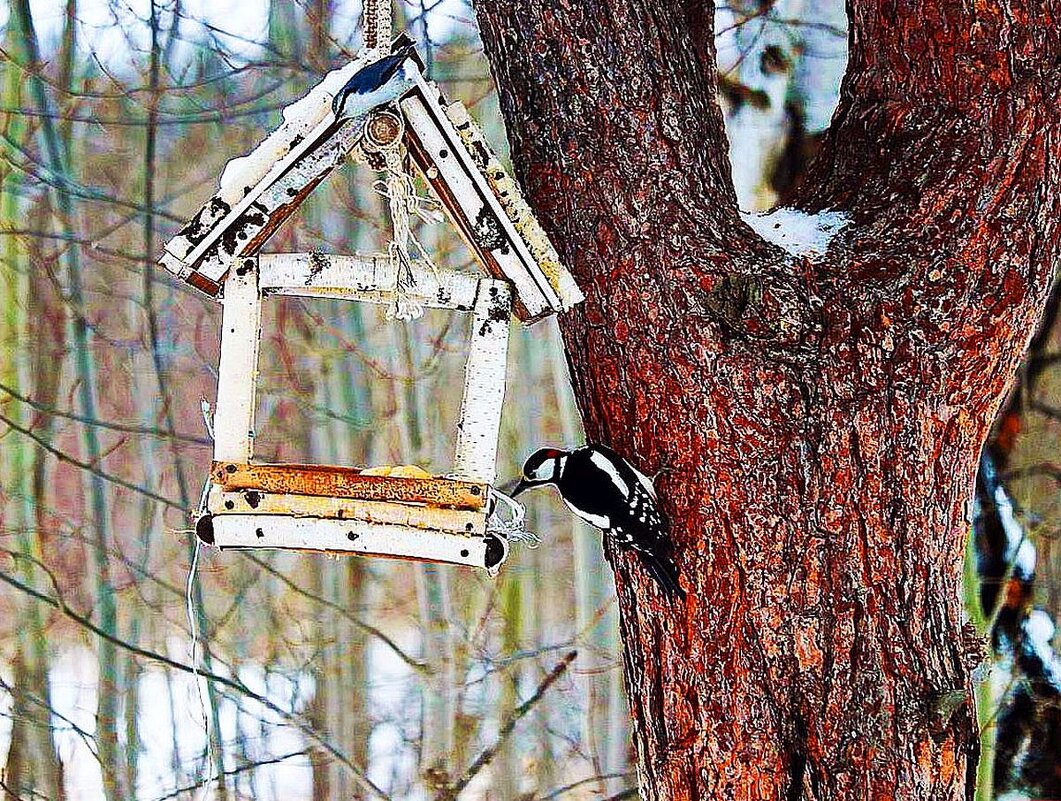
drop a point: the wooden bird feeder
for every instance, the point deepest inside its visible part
(343, 509)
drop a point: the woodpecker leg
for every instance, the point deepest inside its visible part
(609, 553)
(667, 467)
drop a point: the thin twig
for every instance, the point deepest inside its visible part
(62, 456)
(415, 664)
(487, 755)
(567, 788)
(80, 418)
(630, 793)
(235, 772)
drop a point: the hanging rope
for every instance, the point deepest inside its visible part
(381, 149)
(404, 204)
(376, 25)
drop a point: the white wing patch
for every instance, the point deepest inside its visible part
(600, 521)
(646, 482)
(605, 464)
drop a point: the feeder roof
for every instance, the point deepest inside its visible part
(259, 191)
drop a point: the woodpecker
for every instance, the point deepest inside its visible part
(608, 492)
(374, 85)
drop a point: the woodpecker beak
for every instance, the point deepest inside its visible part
(522, 485)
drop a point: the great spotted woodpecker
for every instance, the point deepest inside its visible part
(606, 491)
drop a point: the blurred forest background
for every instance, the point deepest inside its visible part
(332, 678)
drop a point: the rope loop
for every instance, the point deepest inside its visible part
(506, 520)
(404, 203)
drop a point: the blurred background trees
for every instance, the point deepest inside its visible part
(333, 678)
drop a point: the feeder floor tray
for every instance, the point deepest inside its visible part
(351, 537)
(468, 522)
(341, 510)
(348, 482)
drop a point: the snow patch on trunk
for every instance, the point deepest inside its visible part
(795, 231)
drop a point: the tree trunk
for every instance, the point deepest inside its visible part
(819, 416)
(59, 157)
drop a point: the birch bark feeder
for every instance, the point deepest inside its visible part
(342, 509)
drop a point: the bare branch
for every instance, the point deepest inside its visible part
(487, 755)
(112, 426)
(62, 456)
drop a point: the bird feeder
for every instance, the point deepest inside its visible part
(344, 509)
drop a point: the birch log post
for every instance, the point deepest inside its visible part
(241, 324)
(484, 384)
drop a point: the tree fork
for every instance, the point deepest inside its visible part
(820, 418)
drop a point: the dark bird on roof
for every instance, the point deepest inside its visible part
(375, 84)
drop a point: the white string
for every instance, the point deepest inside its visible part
(204, 407)
(509, 526)
(403, 203)
(193, 627)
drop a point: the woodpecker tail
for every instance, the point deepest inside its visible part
(665, 572)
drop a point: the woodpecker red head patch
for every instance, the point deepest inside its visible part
(533, 467)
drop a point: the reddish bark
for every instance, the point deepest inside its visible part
(820, 420)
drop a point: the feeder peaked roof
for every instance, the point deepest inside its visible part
(259, 191)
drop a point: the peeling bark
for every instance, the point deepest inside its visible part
(819, 418)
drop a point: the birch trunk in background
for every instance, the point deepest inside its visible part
(507, 769)
(15, 452)
(439, 716)
(322, 668)
(821, 64)
(325, 448)
(545, 578)
(353, 433)
(40, 772)
(322, 449)
(755, 64)
(605, 725)
(433, 592)
(780, 66)
(339, 669)
(519, 598)
(56, 155)
(145, 387)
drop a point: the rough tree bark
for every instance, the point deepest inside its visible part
(819, 418)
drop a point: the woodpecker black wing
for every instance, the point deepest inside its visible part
(602, 488)
(597, 485)
(665, 572)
